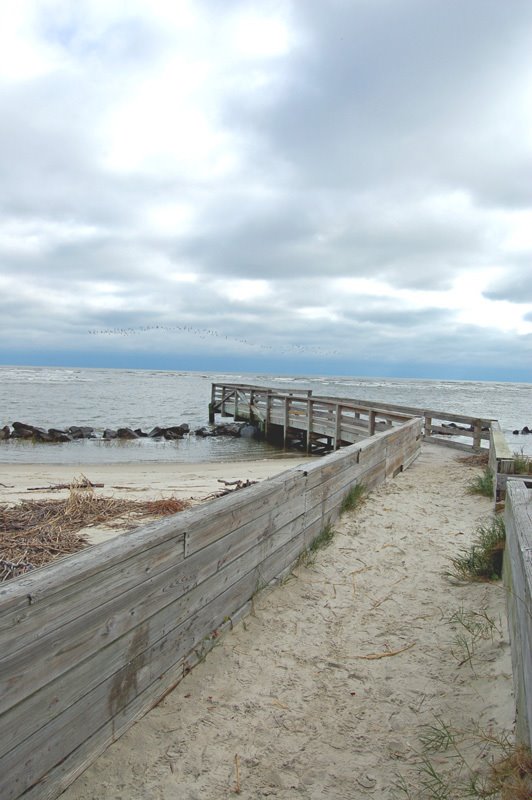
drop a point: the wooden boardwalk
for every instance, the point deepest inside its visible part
(320, 423)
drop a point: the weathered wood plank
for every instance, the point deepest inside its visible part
(172, 596)
(518, 581)
(155, 620)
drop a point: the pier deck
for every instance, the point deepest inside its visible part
(321, 423)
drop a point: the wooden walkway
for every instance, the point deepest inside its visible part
(320, 423)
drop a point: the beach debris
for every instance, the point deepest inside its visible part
(35, 532)
(237, 788)
(387, 653)
(230, 487)
(82, 483)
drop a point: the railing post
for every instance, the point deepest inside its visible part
(428, 425)
(211, 404)
(338, 427)
(371, 423)
(268, 412)
(286, 420)
(309, 422)
(477, 434)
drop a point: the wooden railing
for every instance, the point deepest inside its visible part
(517, 573)
(332, 422)
(91, 642)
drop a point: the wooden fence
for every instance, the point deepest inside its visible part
(518, 582)
(91, 642)
(337, 421)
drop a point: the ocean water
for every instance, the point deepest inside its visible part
(59, 397)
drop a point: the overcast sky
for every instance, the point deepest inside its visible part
(326, 186)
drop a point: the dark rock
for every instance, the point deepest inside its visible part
(5, 432)
(140, 432)
(204, 432)
(515, 433)
(59, 436)
(22, 430)
(248, 431)
(126, 433)
(109, 434)
(156, 432)
(40, 435)
(526, 429)
(231, 429)
(81, 432)
(171, 435)
(175, 431)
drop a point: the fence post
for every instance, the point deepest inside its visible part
(477, 434)
(285, 421)
(309, 421)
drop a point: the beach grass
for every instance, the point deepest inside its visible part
(353, 498)
(483, 560)
(482, 484)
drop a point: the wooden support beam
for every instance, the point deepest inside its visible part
(286, 412)
(477, 434)
(338, 423)
(309, 423)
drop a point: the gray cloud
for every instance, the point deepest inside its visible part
(387, 142)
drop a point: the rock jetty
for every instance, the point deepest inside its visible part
(23, 430)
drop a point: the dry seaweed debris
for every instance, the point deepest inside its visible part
(34, 532)
(475, 460)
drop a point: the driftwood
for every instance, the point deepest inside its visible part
(54, 487)
(230, 487)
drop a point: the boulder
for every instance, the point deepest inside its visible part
(248, 431)
(515, 433)
(126, 433)
(22, 430)
(109, 434)
(140, 432)
(175, 431)
(5, 432)
(81, 432)
(40, 435)
(59, 435)
(205, 432)
(156, 432)
(231, 429)
(526, 430)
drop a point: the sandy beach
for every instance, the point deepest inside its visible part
(323, 691)
(136, 481)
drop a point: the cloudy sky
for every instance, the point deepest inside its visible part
(311, 186)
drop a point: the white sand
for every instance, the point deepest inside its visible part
(290, 694)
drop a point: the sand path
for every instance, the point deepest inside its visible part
(290, 697)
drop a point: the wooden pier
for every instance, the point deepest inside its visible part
(321, 423)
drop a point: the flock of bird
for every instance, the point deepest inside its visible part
(204, 333)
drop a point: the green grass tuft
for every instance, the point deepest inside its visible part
(483, 560)
(522, 464)
(324, 537)
(353, 498)
(482, 484)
